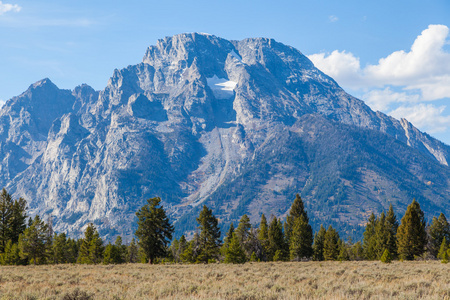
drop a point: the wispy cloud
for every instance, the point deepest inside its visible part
(31, 22)
(401, 83)
(333, 18)
(6, 7)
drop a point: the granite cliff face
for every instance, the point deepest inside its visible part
(238, 125)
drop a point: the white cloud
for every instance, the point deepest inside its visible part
(342, 66)
(425, 67)
(333, 18)
(382, 99)
(412, 79)
(425, 116)
(6, 7)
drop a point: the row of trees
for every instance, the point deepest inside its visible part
(384, 238)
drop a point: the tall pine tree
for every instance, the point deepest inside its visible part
(369, 239)
(276, 241)
(437, 231)
(319, 239)
(34, 242)
(299, 233)
(331, 245)
(209, 238)
(154, 229)
(411, 234)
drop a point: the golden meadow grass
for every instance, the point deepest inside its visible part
(270, 280)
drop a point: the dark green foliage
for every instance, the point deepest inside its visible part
(357, 251)
(235, 253)
(60, 249)
(12, 219)
(227, 240)
(132, 252)
(369, 240)
(191, 251)
(344, 251)
(437, 231)
(154, 229)
(411, 234)
(91, 248)
(443, 249)
(11, 256)
(297, 210)
(298, 232)
(263, 236)
(386, 257)
(331, 244)
(34, 242)
(300, 245)
(209, 239)
(391, 227)
(319, 239)
(5, 219)
(243, 229)
(380, 234)
(276, 241)
(115, 253)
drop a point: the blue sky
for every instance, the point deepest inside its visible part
(367, 46)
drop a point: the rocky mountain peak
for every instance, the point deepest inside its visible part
(241, 126)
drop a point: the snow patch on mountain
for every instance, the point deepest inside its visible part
(222, 88)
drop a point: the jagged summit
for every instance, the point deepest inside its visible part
(238, 125)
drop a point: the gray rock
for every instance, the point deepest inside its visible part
(240, 126)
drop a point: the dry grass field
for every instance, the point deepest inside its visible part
(293, 280)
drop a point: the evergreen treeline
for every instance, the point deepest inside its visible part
(25, 240)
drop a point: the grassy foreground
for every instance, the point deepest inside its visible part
(293, 280)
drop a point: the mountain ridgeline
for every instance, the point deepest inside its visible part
(240, 126)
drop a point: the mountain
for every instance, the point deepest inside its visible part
(240, 126)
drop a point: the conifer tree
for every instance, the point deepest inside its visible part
(263, 236)
(72, 251)
(5, 218)
(132, 252)
(411, 234)
(298, 232)
(34, 242)
(297, 210)
(173, 250)
(60, 249)
(437, 231)
(381, 236)
(357, 251)
(209, 238)
(386, 257)
(243, 229)
(11, 256)
(301, 239)
(343, 251)
(391, 226)
(227, 240)
(154, 229)
(109, 254)
(319, 239)
(182, 244)
(369, 239)
(276, 241)
(331, 244)
(191, 252)
(91, 248)
(443, 249)
(235, 253)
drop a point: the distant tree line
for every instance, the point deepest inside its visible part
(33, 242)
